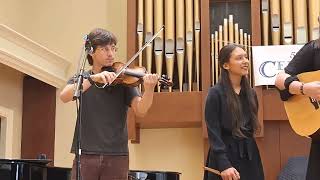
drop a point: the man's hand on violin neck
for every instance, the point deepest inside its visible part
(150, 81)
(103, 77)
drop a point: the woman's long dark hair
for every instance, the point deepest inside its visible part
(233, 101)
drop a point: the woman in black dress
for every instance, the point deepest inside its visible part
(231, 118)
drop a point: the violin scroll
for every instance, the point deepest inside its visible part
(165, 81)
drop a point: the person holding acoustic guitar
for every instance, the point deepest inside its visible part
(104, 136)
(300, 82)
(231, 118)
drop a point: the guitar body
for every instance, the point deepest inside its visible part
(304, 112)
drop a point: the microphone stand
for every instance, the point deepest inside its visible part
(78, 91)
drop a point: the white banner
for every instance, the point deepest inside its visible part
(268, 61)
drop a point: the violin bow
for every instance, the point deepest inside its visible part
(135, 55)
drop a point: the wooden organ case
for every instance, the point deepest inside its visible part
(187, 50)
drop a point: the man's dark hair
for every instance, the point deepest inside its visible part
(100, 37)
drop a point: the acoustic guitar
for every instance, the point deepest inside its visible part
(303, 111)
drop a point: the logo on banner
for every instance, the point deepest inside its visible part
(268, 61)
(269, 69)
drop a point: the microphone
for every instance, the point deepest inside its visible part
(88, 45)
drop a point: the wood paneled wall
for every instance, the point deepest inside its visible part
(38, 121)
(278, 145)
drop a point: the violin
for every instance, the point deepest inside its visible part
(133, 76)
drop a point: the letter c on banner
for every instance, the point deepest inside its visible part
(262, 69)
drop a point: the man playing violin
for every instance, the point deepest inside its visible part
(104, 137)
